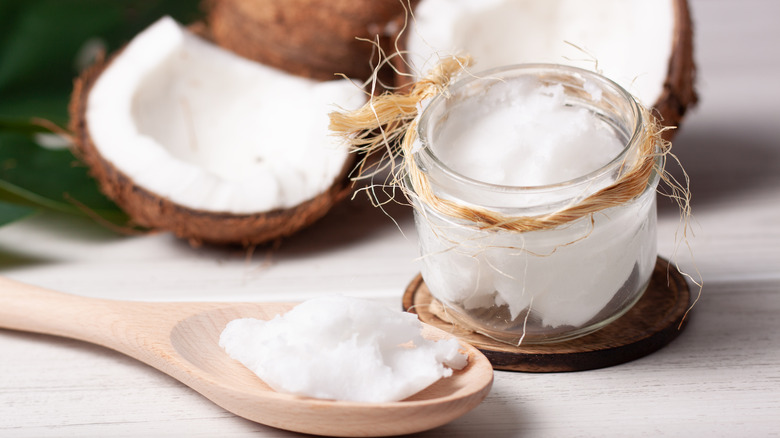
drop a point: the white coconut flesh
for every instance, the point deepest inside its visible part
(208, 130)
(631, 40)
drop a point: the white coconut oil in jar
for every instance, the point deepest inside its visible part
(533, 141)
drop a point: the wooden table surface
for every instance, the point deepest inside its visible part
(721, 377)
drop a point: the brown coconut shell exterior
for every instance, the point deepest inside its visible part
(679, 91)
(149, 210)
(312, 38)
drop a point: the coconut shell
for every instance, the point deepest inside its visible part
(311, 38)
(678, 93)
(150, 210)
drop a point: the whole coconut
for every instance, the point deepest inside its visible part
(312, 38)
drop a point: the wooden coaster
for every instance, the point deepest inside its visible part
(654, 321)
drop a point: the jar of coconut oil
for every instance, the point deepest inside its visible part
(534, 225)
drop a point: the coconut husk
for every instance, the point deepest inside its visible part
(150, 210)
(313, 38)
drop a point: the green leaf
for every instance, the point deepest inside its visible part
(12, 212)
(53, 179)
(40, 41)
(21, 127)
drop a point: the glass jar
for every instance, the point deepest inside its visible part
(552, 284)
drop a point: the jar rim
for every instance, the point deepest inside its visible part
(529, 69)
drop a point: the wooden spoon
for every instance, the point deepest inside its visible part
(181, 340)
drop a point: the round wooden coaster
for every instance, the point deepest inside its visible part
(654, 321)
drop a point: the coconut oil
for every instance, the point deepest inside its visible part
(342, 348)
(532, 141)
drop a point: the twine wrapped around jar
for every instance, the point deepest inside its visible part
(493, 254)
(389, 122)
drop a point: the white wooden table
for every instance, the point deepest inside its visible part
(721, 377)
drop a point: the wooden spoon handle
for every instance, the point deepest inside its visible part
(34, 309)
(137, 329)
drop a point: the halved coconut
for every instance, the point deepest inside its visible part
(188, 137)
(314, 38)
(646, 46)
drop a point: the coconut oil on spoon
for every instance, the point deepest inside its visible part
(182, 340)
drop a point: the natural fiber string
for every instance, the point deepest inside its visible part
(384, 122)
(389, 122)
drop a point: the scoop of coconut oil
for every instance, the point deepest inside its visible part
(342, 348)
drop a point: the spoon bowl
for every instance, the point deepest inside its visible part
(182, 340)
